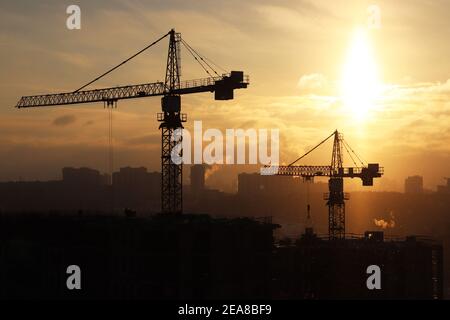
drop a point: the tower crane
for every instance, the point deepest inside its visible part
(336, 173)
(170, 118)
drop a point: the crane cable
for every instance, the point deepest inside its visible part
(123, 62)
(358, 157)
(200, 56)
(203, 57)
(346, 146)
(111, 155)
(110, 105)
(110, 142)
(346, 149)
(196, 59)
(308, 205)
(195, 54)
(110, 163)
(212, 62)
(298, 159)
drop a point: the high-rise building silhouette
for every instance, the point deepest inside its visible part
(197, 178)
(414, 184)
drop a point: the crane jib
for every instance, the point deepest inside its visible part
(222, 85)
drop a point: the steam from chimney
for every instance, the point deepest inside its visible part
(385, 224)
(210, 170)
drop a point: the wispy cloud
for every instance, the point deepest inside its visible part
(65, 120)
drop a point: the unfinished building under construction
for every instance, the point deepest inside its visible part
(199, 257)
(316, 268)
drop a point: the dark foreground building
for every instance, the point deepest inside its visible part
(314, 268)
(199, 257)
(162, 257)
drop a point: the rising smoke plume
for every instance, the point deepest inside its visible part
(385, 224)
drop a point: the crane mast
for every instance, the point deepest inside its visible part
(171, 120)
(336, 197)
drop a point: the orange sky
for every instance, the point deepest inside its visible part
(294, 52)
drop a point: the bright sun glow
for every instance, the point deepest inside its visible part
(360, 85)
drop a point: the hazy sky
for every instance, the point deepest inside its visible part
(294, 51)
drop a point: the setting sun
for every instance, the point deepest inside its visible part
(360, 85)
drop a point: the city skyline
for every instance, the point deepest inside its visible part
(209, 170)
(295, 88)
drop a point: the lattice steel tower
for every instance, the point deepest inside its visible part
(171, 125)
(336, 196)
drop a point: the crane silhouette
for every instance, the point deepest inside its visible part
(336, 173)
(171, 118)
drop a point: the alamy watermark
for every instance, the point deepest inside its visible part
(373, 17)
(73, 21)
(374, 280)
(74, 279)
(230, 147)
